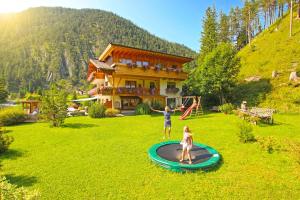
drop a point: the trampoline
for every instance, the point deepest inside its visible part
(167, 155)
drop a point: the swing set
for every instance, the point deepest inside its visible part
(195, 109)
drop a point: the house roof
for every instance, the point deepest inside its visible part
(101, 65)
(112, 46)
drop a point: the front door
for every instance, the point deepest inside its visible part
(129, 103)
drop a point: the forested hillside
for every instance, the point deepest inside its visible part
(38, 41)
(272, 50)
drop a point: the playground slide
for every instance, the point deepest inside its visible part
(188, 111)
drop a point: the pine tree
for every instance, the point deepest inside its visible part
(3, 91)
(209, 35)
(224, 34)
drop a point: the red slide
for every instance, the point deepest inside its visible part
(188, 111)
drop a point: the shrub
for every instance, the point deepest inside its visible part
(269, 144)
(245, 132)
(110, 112)
(226, 108)
(10, 191)
(32, 96)
(12, 116)
(54, 105)
(5, 140)
(254, 119)
(157, 105)
(97, 110)
(142, 109)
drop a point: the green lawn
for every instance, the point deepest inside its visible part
(107, 159)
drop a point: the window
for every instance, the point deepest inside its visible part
(171, 102)
(152, 85)
(130, 84)
(126, 61)
(145, 63)
(171, 85)
(139, 63)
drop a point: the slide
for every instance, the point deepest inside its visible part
(188, 111)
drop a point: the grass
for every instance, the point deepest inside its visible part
(273, 49)
(107, 159)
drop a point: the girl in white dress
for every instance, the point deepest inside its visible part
(187, 144)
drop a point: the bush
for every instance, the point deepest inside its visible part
(142, 109)
(245, 132)
(110, 112)
(54, 105)
(226, 108)
(157, 105)
(5, 140)
(10, 191)
(97, 110)
(12, 116)
(269, 144)
(33, 96)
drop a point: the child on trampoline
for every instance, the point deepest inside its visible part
(167, 119)
(187, 144)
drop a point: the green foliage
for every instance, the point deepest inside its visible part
(96, 110)
(157, 105)
(226, 108)
(33, 96)
(12, 116)
(5, 140)
(12, 192)
(110, 112)
(245, 133)
(209, 35)
(74, 95)
(41, 41)
(218, 73)
(3, 91)
(54, 105)
(142, 109)
(269, 144)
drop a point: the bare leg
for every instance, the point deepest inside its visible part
(182, 155)
(169, 132)
(189, 156)
(165, 133)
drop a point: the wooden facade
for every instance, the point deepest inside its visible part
(126, 76)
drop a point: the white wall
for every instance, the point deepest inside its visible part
(163, 86)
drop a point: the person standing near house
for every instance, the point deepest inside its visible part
(167, 120)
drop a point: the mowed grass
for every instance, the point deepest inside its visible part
(107, 159)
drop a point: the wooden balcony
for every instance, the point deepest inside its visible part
(129, 91)
(149, 71)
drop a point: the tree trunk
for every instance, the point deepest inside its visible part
(249, 27)
(291, 19)
(298, 15)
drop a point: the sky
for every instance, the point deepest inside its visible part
(174, 20)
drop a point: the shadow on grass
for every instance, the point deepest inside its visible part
(20, 181)
(216, 167)
(78, 125)
(11, 154)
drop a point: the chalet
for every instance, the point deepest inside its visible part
(125, 76)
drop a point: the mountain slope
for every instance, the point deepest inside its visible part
(272, 50)
(61, 40)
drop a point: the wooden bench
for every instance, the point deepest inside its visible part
(265, 114)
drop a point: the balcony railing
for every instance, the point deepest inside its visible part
(172, 90)
(140, 91)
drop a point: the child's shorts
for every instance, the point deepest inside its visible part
(186, 146)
